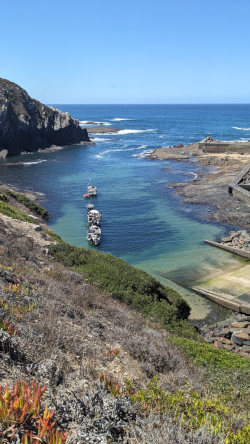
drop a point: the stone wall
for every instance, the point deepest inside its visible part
(239, 188)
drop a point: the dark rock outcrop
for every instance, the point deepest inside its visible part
(27, 125)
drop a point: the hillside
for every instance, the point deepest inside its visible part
(114, 348)
(27, 125)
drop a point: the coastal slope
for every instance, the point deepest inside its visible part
(27, 125)
(118, 359)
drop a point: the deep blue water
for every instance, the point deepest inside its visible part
(144, 222)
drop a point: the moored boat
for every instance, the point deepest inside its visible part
(94, 217)
(92, 191)
(94, 235)
(89, 206)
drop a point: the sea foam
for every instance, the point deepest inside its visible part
(145, 153)
(91, 122)
(119, 119)
(125, 148)
(34, 163)
(100, 139)
(241, 129)
(131, 131)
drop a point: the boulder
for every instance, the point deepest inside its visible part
(245, 349)
(238, 338)
(243, 324)
(228, 347)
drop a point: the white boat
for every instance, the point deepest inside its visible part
(89, 206)
(94, 235)
(92, 191)
(94, 217)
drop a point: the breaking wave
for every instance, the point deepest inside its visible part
(241, 129)
(100, 139)
(90, 122)
(34, 163)
(194, 174)
(144, 153)
(103, 153)
(131, 131)
(119, 119)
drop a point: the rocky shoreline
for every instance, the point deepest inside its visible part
(211, 188)
(237, 242)
(101, 130)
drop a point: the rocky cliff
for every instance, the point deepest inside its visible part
(27, 125)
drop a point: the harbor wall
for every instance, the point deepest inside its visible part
(239, 189)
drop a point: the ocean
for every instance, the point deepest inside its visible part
(143, 221)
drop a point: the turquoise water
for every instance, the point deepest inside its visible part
(144, 222)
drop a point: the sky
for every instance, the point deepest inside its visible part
(127, 51)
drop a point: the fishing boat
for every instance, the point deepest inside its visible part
(94, 217)
(92, 191)
(94, 235)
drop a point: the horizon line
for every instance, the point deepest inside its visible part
(150, 104)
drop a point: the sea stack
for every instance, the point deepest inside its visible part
(27, 125)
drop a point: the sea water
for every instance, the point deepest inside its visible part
(144, 221)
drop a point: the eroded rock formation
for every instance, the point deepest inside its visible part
(27, 125)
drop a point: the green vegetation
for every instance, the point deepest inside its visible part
(128, 284)
(206, 355)
(23, 200)
(13, 212)
(189, 408)
(225, 372)
(9, 210)
(193, 411)
(50, 233)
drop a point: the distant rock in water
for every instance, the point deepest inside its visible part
(27, 125)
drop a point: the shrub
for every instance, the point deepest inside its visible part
(22, 416)
(13, 212)
(128, 284)
(24, 200)
(188, 408)
(7, 326)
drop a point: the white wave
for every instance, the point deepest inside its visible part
(145, 153)
(100, 139)
(119, 119)
(130, 131)
(34, 163)
(194, 174)
(91, 122)
(103, 153)
(241, 129)
(125, 131)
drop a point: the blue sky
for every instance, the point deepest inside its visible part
(124, 51)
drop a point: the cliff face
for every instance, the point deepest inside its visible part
(28, 125)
